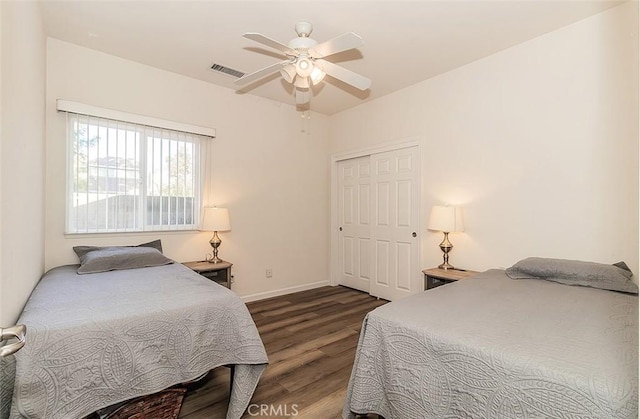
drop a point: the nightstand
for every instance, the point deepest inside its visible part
(219, 272)
(435, 277)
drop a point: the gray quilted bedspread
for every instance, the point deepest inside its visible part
(491, 347)
(95, 340)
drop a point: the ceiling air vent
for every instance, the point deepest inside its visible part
(226, 70)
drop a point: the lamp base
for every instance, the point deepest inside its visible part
(214, 259)
(215, 243)
(446, 247)
(446, 266)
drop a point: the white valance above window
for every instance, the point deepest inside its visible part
(83, 109)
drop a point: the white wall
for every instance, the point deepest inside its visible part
(273, 178)
(22, 92)
(538, 143)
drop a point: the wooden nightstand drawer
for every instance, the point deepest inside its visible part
(218, 272)
(433, 282)
(218, 276)
(436, 277)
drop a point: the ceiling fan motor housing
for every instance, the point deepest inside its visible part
(302, 44)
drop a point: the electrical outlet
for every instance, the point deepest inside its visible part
(269, 273)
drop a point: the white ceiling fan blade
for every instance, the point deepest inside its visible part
(338, 44)
(342, 74)
(258, 37)
(256, 75)
(303, 96)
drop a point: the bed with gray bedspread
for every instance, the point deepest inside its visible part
(95, 340)
(492, 347)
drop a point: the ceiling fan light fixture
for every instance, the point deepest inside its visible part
(288, 73)
(304, 66)
(301, 82)
(316, 75)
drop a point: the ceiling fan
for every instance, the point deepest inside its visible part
(305, 64)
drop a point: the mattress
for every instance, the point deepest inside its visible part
(99, 339)
(492, 347)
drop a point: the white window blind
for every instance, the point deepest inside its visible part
(130, 177)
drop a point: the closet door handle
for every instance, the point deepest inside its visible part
(340, 228)
(414, 234)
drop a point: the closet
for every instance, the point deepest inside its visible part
(378, 204)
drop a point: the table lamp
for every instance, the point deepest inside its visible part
(215, 219)
(448, 220)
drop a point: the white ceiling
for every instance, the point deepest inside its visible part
(405, 41)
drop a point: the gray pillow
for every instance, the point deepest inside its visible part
(120, 257)
(575, 272)
(83, 250)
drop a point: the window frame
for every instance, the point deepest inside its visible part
(147, 134)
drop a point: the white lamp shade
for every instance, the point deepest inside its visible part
(215, 219)
(288, 73)
(304, 67)
(447, 219)
(316, 75)
(301, 82)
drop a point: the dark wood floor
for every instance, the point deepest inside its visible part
(310, 338)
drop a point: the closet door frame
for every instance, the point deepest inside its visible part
(334, 268)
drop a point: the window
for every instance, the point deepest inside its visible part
(131, 177)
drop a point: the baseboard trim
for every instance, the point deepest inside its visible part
(283, 291)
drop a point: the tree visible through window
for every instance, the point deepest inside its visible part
(129, 177)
